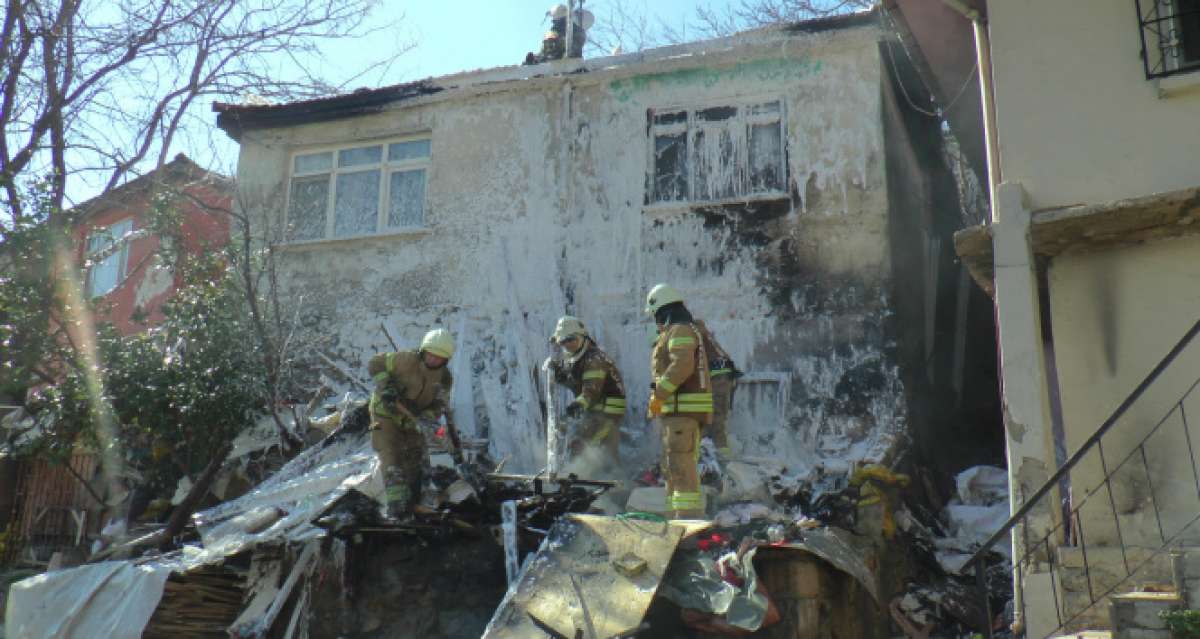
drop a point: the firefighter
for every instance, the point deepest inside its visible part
(599, 401)
(724, 374)
(409, 386)
(554, 43)
(681, 395)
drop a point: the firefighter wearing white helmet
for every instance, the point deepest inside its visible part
(722, 369)
(439, 343)
(599, 392)
(410, 386)
(681, 397)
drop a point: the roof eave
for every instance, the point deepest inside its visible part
(236, 119)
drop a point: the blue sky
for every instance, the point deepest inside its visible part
(472, 34)
(445, 37)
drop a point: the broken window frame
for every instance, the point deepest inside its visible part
(385, 169)
(692, 126)
(101, 240)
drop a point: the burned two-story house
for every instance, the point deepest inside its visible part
(782, 179)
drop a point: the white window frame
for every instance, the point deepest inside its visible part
(691, 126)
(385, 167)
(121, 254)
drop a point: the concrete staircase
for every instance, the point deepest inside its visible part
(1168, 580)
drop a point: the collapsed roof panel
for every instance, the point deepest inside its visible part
(593, 573)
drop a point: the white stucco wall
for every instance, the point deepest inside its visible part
(1078, 122)
(1116, 314)
(535, 208)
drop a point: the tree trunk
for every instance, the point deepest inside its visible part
(183, 512)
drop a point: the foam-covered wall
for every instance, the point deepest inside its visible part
(536, 207)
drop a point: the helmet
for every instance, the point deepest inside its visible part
(566, 327)
(439, 342)
(660, 296)
(583, 17)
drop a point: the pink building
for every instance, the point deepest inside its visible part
(110, 231)
(51, 508)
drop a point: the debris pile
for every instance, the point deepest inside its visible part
(979, 508)
(258, 553)
(307, 550)
(203, 601)
(942, 600)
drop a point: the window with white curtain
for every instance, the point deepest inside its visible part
(359, 190)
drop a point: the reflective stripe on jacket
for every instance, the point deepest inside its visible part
(595, 380)
(422, 390)
(679, 368)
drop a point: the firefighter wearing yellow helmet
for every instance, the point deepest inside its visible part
(681, 397)
(599, 392)
(409, 386)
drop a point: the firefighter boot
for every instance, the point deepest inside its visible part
(398, 500)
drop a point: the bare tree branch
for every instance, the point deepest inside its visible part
(101, 94)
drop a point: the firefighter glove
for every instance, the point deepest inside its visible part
(574, 409)
(655, 408)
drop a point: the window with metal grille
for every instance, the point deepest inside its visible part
(727, 152)
(1170, 36)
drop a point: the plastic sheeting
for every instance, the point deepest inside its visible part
(980, 509)
(694, 582)
(303, 488)
(592, 575)
(111, 599)
(116, 599)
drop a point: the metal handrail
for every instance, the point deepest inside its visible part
(977, 560)
(1029, 504)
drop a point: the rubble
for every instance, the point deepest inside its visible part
(723, 592)
(978, 509)
(746, 512)
(572, 585)
(939, 600)
(263, 561)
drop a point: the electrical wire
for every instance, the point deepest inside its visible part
(939, 114)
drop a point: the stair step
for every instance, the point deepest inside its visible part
(1083, 614)
(1135, 614)
(1087, 634)
(1106, 569)
(1156, 597)
(1072, 557)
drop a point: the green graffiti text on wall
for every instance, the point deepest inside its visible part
(767, 70)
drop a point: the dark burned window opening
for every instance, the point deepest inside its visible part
(1170, 32)
(717, 153)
